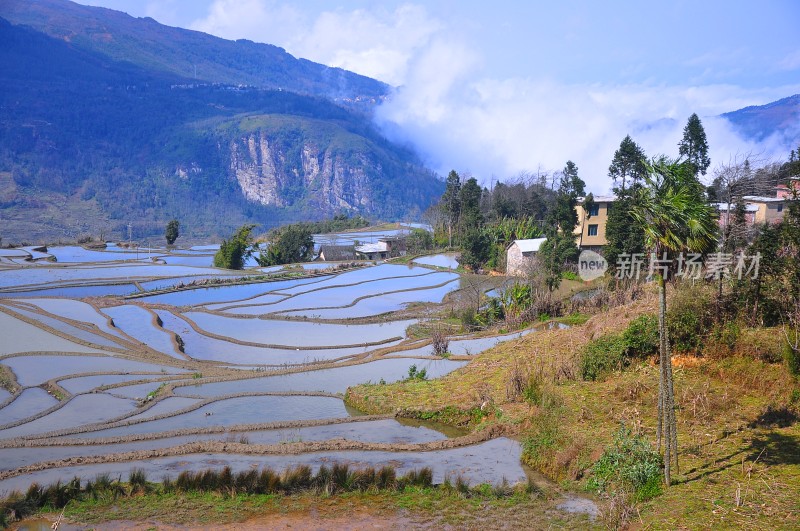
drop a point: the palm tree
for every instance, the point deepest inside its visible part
(675, 218)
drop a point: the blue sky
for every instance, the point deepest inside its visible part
(498, 88)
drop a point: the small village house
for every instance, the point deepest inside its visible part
(520, 256)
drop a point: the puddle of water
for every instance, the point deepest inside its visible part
(140, 324)
(244, 410)
(44, 524)
(448, 260)
(202, 347)
(35, 370)
(28, 403)
(29, 338)
(298, 333)
(335, 380)
(488, 462)
(575, 505)
(586, 295)
(463, 347)
(82, 409)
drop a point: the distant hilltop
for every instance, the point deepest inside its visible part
(111, 120)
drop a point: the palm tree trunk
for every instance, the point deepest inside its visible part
(667, 425)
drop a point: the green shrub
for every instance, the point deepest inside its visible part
(791, 355)
(641, 336)
(469, 319)
(415, 374)
(604, 354)
(630, 464)
(690, 317)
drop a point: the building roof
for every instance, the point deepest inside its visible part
(337, 253)
(763, 199)
(367, 248)
(529, 246)
(722, 207)
(599, 199)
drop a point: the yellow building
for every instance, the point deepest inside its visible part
(591, 230)
(770, 209)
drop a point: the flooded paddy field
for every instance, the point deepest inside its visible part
(117, 360)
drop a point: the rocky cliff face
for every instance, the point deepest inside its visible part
(273, 174)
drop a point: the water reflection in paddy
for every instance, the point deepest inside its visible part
(35, 370)
(82, 409)
(343, 296)
(28, 403)
(84, 384)
(377, 305)
(448, 260)
(161, 283)
(140, 324)
(75, 292)
(490, 462)
(199, 346)
(28, 338)
(375, 431)
(244, 410)
(298, 333)
(365, 274)
(77, 254)
(219, 293)
(335, 380)
(40, 276)
(79, 311)
(68, 329)
(138, 391)
(166, 405)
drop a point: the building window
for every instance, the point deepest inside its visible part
(594, 210)
(592, 230)
(780, 208)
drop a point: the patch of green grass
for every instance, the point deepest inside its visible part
(574, 319)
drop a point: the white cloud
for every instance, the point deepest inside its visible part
(503, 126)
(378, 44)
(458, 117)
(791, 61)
(257, 20)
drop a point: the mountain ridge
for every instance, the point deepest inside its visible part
(185, 53)
(141, 146)
(758, 122)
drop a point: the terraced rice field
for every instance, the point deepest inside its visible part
(113, 360)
